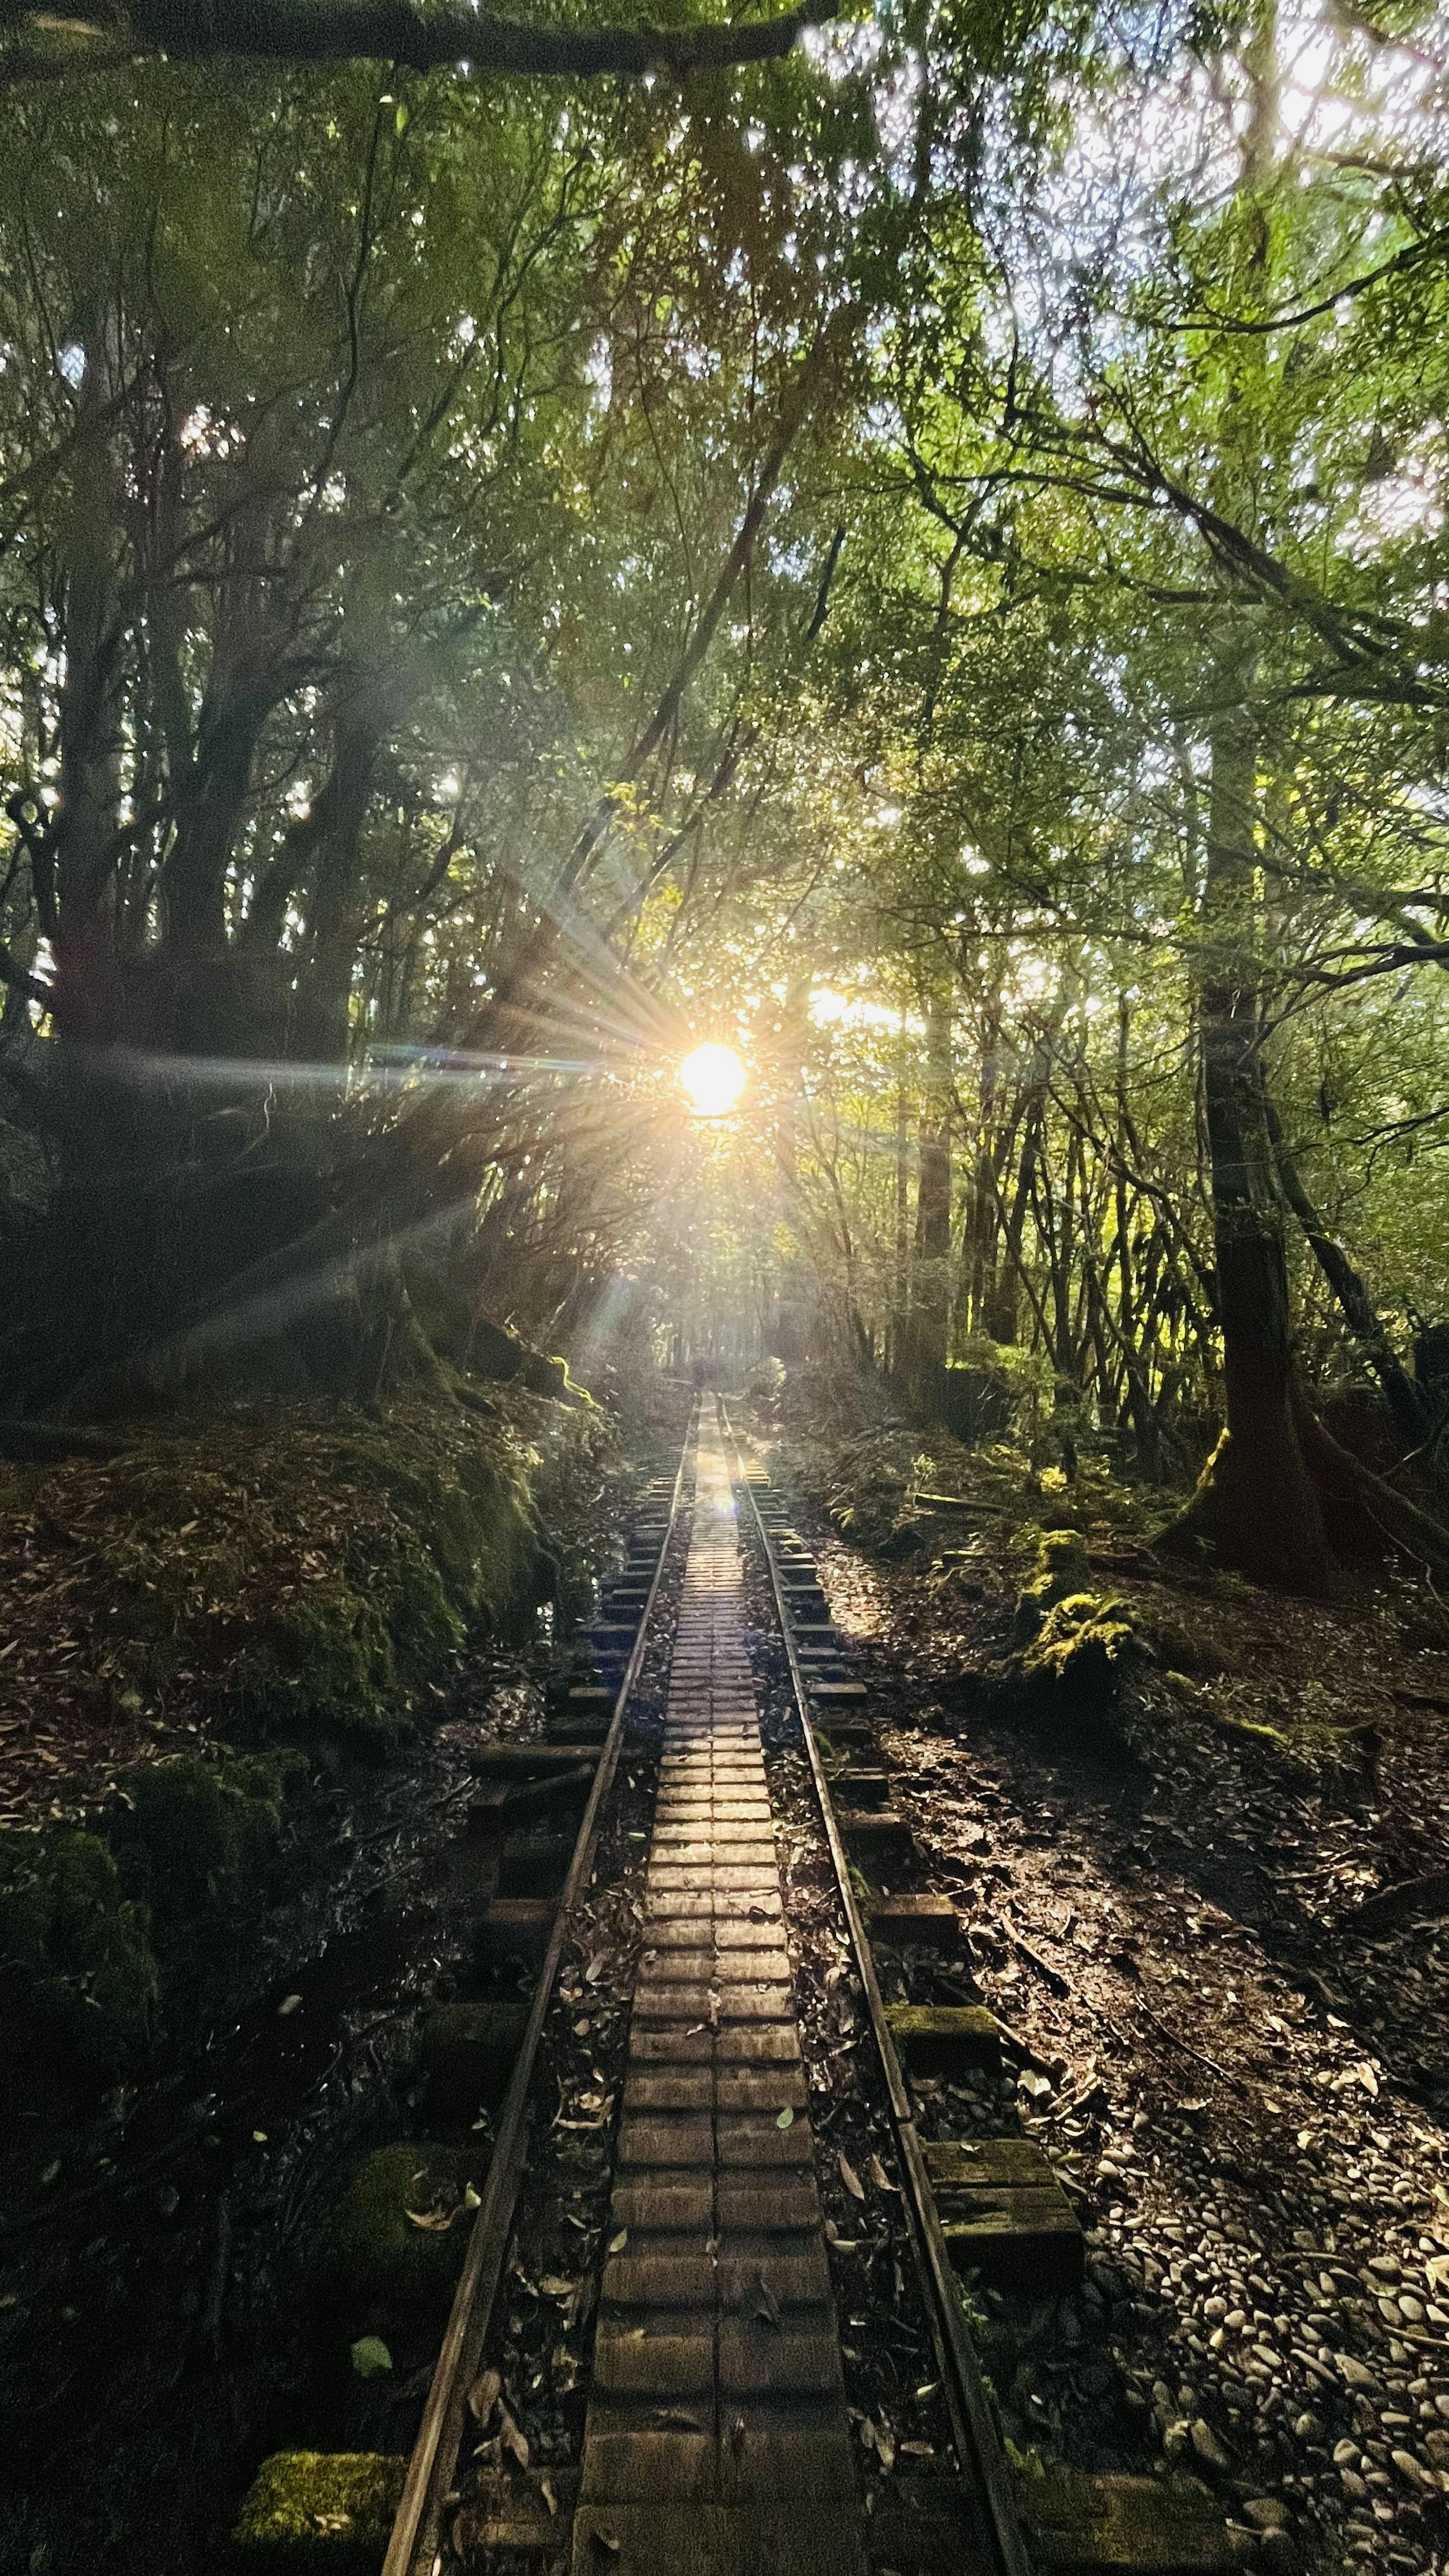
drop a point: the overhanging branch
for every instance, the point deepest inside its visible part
(37, 42)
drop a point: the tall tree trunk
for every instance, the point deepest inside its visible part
(1257, 1501)
(1411, 1416)
(901, 1276)
(931, 1301)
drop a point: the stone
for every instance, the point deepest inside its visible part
(1268, 2513)
(1207, 2445)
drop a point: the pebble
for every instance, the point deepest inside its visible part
(1207, 2446)
(1268, 2512)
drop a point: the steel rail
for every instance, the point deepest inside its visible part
(415, 2548)
(978, 2443)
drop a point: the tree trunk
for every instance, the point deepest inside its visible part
(901, 1273)
(931, 1301)
(1410, 1415)
(1257, 1501)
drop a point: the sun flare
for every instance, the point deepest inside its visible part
(714, 1077)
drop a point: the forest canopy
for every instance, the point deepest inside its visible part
(919, 550)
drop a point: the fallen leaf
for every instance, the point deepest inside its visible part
(554, 2286)
(675, 2419)
(595, 1970)
(370, 2357)
(436, 2221)
(618, 2243)
(879, 2176)
(885, 2447)
(606, 2540)
(511, 2437)
(545, 2489)
(786, 2118)
(766, 2303)
(288, 2004)
(849, 2176)
(483, 2396)
(471, 2198)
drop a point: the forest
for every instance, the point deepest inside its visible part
(907, 546)
(927, 555)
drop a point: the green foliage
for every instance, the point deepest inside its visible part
(1061, 1570)
(197, 1821)
(79, 1948)
(1074, 1664)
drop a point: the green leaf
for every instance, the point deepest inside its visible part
(370, 2357)
(786, 2119)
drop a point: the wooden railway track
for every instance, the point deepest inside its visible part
(717, 2440)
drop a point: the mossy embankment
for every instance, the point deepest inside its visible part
(187, 1627)
(1049, 1600)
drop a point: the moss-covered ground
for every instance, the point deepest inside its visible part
(340, 2504)
(1071, 1606)
(184, 1624)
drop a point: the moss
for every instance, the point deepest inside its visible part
(1074, 1664)
(196, 1821)
(1061, 1570)
(468, 2053)
(79, 1949)
(377, 2254)
(289, 1569)
(342, 2503)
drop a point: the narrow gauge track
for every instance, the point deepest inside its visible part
(718, 2434)
(418, 2532)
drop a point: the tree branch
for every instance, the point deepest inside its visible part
(35, 43)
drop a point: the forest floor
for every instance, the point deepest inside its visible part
(163, 2200)
(1247, 2074)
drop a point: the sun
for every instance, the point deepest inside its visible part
(714, 1077)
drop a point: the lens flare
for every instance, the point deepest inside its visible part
(714, 1077)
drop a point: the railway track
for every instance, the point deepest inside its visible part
(707, 2406)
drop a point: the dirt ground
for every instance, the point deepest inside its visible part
(1244, 2078)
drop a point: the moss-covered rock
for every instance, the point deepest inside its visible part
(468, 2052)
(306, 2507)
(196, 1821)
(1073, 1667)
(1061, 1570)
(397, 2237)
(73, 1946)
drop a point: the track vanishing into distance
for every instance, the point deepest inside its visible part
(711, 2318)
